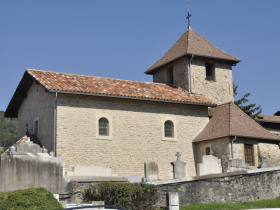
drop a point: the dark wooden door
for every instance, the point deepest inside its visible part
(249, 154)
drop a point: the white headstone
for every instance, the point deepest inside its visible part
(151, 171)
(210, 165)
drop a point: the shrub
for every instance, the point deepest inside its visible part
(36, 198)
(131, 196)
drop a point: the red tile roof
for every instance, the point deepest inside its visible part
(192, 43)
(229, 120)
(73, 83)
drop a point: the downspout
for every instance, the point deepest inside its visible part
(190, 65)
(232, 146)
(54, 127)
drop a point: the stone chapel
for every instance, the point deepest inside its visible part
(121, 124)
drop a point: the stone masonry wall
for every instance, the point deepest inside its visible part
(271, 153)
(221, 89)
(38, 104)
(222, 149)
(180, 74)
(137, 129)
(224, 188)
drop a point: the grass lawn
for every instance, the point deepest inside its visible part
(270, 203)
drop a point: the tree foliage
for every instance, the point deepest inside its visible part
(8, 131)
(250, 109)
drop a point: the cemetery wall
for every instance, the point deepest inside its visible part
(136, 134)
(25, 171)
(223, 188)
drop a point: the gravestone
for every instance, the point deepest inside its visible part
(173, 201)
(134, 178)
(151, 171)
(210, 165)
(179, 168)
(236, 165)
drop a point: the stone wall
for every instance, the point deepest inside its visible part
(137, 131)
(180, 74)
(38, 105)
(222, 149)
(23, 171)
(220, 90)
(222, 188)
(270, 152)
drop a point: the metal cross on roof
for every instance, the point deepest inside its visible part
(189, 16)
(178, 156)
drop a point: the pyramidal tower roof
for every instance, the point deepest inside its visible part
(192, 43)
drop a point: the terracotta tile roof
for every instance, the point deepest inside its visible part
(228, 120)
(73, 83)
(269, 118)
(192, 43)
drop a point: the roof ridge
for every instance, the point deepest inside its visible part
(215, 45)
(92, 76)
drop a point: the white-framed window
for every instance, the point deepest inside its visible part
(104, 127)
(169, 129)
(36, 126)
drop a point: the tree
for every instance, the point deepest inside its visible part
(250, 109)
(8, 131)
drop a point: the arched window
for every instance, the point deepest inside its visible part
(103, 124)
(168, 129)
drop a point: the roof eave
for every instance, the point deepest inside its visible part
(233, 61)
(134, 98)
(232, 135)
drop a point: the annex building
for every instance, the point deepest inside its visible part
(121, 124)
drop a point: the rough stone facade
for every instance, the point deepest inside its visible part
(225, 188)
(270, 152)
(222, 149)
(219, 89)
(38, 105)
(137, 128)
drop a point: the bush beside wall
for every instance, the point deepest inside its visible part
(132, 196)
(36, 198)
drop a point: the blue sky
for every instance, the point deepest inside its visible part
(123, 38)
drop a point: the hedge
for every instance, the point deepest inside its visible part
(34, 198)
(132, 196)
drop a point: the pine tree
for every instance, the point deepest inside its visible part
(250, 109)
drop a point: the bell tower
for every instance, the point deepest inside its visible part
(197, 66)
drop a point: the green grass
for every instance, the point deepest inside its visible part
(36, 198)
(269, 203)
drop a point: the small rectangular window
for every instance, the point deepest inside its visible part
(170, 76)
(210, 71)
(36, 127)
(207, 150)
(249, 154)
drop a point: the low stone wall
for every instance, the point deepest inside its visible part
(27, 170)
(226, 187)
